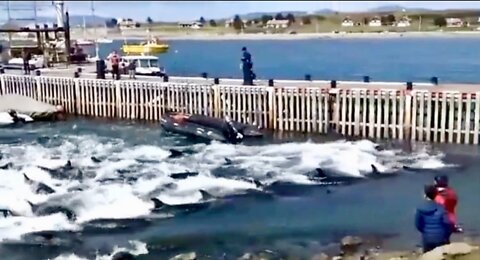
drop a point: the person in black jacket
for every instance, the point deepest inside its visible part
(432, 221)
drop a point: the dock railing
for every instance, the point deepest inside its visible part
(424, 112)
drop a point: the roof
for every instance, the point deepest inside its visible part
(140, 57)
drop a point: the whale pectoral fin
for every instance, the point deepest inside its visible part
(175, 153)
(157, 203)
(206, 195)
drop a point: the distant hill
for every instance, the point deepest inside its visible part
(325, 11)
(396, 8)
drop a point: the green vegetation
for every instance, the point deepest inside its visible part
(425, 21)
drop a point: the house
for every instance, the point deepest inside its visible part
(192, 25)
(347, 22)
(229, 23)
(277, 24)
(375, 22)
(403, 22)
(454, 22)
(126, 23)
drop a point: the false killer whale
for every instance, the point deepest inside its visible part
(38, 187)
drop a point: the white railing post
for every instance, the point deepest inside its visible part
(2, 84)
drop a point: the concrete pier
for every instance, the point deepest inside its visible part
(447, 113)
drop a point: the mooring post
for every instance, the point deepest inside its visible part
(407, 125)
(434, 80)
(76, 74)
(366, 79)
(165, 78)
(270, 83)
(204, 75)
(37, 72)
(216, 81)
(308, 77)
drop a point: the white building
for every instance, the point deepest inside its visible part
(404, 22)
(125, 23)
(229, 23)
(277, 24)
(347, 22)
(454, 22)
(375, 22)
(192, 25)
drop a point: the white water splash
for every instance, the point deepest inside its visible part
(137, 248)
(288, 162)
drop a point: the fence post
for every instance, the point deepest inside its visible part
(407, 124)
(118, 98)
(2, 84)
(216, 102)
(38, 93)
(272, 108)
(76, 96)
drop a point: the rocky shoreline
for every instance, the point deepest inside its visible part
(351, 248)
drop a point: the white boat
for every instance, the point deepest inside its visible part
(82, 42)
(36, 62)
(104, 40)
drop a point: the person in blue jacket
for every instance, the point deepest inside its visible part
(432, 221)
(247, 65)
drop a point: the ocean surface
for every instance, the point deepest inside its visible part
(111, 198)
(389, 59)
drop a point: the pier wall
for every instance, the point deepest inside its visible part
(437, 113)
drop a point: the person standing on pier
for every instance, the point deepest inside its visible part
(26, 56)
(247, 66)
(114, 59)
(432, 221)
(132, 65)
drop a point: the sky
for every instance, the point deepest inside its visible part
(193, 10)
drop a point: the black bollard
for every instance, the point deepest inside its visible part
(308, 77)
(79, 70)
(76, 74)
(216, 81)
(100, 69)
(204, 75)
(434, 80)
(37, 73)
(2, 70)
(270, 82)
(366, 79)
(333, 84)
(165, 78)
(409, 85)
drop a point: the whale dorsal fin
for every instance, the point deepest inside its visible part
(206, 195)
(319, 173)
(374, 169)
(157, 203)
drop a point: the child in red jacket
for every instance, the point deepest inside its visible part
(447, 197)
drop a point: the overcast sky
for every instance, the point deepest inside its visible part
(192, 10)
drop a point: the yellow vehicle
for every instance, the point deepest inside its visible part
(149, 47)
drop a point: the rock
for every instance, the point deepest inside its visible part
(321, 256)
(450, 250)
(123, 256)
(349, 241)
(186, 256)
(337, 258)
(246, 256)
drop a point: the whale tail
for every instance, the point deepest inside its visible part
(175, 153)
(157, 203)
(206, 195)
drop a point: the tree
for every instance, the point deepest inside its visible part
(266, 18)
(391, 19)
(213, 23)
(440, 21)
(290, 17)
(237, 23)
(384, 20)
(202, 20)
(149, 20)
(279, 16)
(111, 23)
(306, 20)
(366, 20)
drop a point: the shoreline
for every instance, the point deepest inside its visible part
(138, 35)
